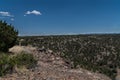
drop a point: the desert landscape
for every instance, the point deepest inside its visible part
(49, 67)
(95, 52)
(59, 39)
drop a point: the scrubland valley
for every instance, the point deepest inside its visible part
(79, 57)
(95, 52)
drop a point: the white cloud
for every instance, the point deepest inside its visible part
(5, 14)
(35, 12)
(12, 19)
(24, 15)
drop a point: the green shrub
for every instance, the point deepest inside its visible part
(25, 59)
(5, 64)
(8, 36)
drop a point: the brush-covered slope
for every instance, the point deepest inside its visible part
(98, 53)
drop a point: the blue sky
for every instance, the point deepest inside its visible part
(38, 17)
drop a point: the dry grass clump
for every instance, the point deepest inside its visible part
(20, 49)
(8, 62)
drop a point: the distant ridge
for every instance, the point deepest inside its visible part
(70, 34)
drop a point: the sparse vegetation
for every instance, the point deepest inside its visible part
(6, 65)
(8, 62)
(98, 53)
(25, 59)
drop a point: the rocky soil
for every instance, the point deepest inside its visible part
(51, 67)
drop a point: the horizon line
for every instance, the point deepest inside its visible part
(68, 34)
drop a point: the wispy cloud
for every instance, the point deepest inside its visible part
(12, 19)
(24, 15)
(5, 14)
(35, 12)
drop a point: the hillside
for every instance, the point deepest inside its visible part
(97, 53)
(50, 67)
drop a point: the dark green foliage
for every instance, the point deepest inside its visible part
(25, 59)
(98, 53)
(8, 36)
(7, 62)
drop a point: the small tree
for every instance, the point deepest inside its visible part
(8, 36)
